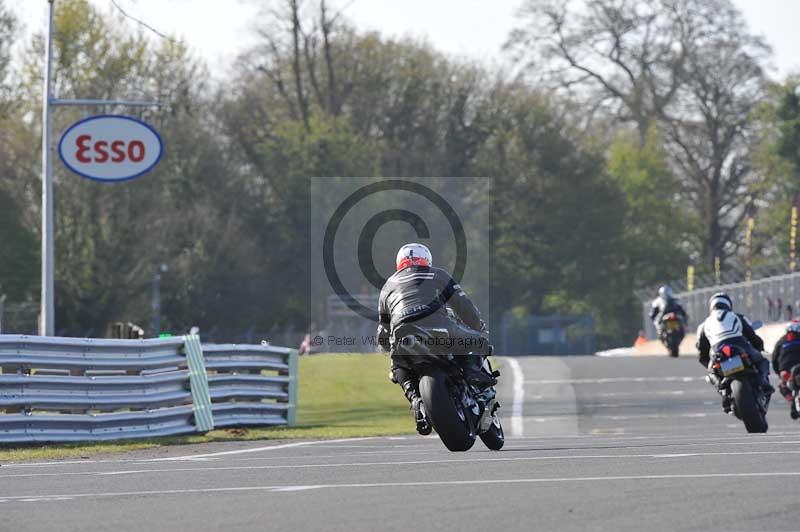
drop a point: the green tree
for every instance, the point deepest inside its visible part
(110, 239)
(656, 226)
(557, 218)
(778, 158)
(18, 260)
(788, 122)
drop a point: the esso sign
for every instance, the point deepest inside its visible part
(110, 148)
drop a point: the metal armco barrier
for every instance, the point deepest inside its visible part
(72, 389)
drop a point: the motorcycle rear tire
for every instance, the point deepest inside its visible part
(457, 434)
(746, 408)
(673, 351)
(674, 344)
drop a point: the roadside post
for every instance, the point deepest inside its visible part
(793, 235)
(117, 148)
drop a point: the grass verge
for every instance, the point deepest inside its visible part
(340, 396)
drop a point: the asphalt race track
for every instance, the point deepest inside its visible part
(593, 444)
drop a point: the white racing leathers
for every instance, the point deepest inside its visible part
(725, 326)
(722, 325)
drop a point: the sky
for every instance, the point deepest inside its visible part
(473, 29)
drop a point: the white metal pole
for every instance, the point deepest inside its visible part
(47, 314)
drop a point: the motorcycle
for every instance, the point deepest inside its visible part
(737, 380)
(790, 390)
(672, 332)
(458, 411)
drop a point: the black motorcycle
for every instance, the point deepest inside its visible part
(672, 332)
(457, 410)
(737, 380)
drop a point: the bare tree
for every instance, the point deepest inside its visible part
(8, 29)
(622, 55)
(689, 66)
(299, 58)
(712, 135)
(628, 56)
(8, 32)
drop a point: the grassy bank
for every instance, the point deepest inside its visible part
(342, 395)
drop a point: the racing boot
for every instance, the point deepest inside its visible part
(417, 408)
(727, 404)
(766, 387)
(783, 387)
(787, 393)
(796, 405)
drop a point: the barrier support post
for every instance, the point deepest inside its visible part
(198, 381)
(291, 413)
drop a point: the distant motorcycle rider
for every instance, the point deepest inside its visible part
(786, 363)
(725, 326)
(416, 298)
(663, 305)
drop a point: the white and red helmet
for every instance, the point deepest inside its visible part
(413, 255)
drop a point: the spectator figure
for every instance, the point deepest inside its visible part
(769, 308)
(778, 310)
(305, 345)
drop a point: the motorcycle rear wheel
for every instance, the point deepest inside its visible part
(673, 343)
(746, 408)
(450, 422)
(673, 351)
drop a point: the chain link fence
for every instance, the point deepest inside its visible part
(769, 299)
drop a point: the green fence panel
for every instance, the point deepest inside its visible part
(198, 380)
